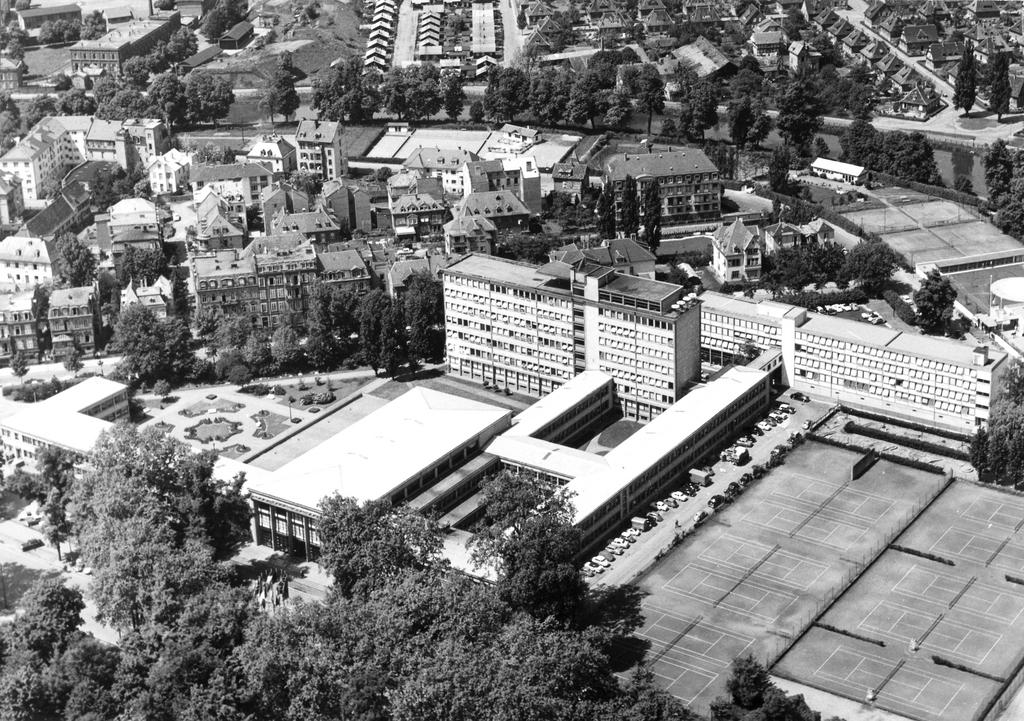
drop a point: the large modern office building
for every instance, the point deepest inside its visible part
(923, 378)
(531, 329)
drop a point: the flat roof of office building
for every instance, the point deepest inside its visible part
(82, 395)
(638, 287)
(765, 309)
(558, 460)
(560, 400)
(502, 271)
(369, 459)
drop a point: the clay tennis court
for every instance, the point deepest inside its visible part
(753, 578)
(954, 603)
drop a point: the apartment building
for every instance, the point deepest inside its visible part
(689, 183)
(168, 173)
(40, 160)
(12, 200)
(245, 181)
(273, 152)
(269, 280)
(19, 331)
(520, 175)
(73, 320)
(532, 329)
(138, 140)
(736, 253)
(349, 205)
(124, 41)
(25, 263)
(922, 378)
(320, 149)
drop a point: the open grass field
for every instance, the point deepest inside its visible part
(908, 610)
(972, 285)
(755, 576)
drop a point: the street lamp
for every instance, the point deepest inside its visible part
(100, 364)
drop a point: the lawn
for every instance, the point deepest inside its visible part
(42, 62)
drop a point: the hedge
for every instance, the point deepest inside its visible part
(915, 443)
(910, 425)
(813, 299)
(940, 661)
(904, 311)
(851, 634)
(933, 190)
(884, 455)
(921, 554)
(1014, 579)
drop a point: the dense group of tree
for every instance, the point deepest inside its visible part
(904, 155)
(1004, 180)
(997, 450)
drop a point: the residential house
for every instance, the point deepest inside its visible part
(519, 174)
(736, 253)
(501, 207)
(940, 55)
(135, 214)
(69, 210)
(767, 45)
(623, 254)
(218, 223)
(855, 42)
(469, 235)
(889, 65)
(274, 153)
(12, 202)
(512, 139)
(11, 73)
(916, 39)
(349, 206)
(399, 273)
(140, 139)
(418, 217)
(19, 327)
(345, 269)
(571, 178)
(316, 225)
(73, 320)
(982, 10)
(169, 173)
(158, 297)
(25, 262)
(803, 58)
(244, 180)
(873, 52)
(283, 197)
(319, 148)
(920, 103)
(891, 27)
(443, 163)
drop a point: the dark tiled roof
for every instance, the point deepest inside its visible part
(659, 164)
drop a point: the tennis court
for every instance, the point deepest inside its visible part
(938, 604)
(760, 570)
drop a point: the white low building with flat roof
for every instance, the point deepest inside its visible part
(394, 453)
(835, 170)
(73, 420)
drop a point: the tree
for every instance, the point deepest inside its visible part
(322, 347)
(963, 184)
(75, 102)
(748, 683)
(392, 351)
(76, 265)
(476, 111)
(363, 545)
(143, 266)
(507, 93)
(999, 450)
(629, 212)
(168, 94)
(412, 93)
(181, 45)
(40, 107)
(224, 15)
(280, 97)
(135, 71)
(699, 109)
(347, 91)
(871, 263)
(285, 348)
(998, 162)
(257, 354)
(966, 89)
(652, 216)
(999, 85)
(127, 102)
(934, 300)
(821, 148)
(760, 129)
(424, 313)
(207, 98)
(73, 361)
(649, 91)
(49, 623)
(57, 471)
(587, 98)
(778, 171)
(453, 94)
(800, 113)
(619, 109)
(528, 536)
(606, 212)
(94, 26)
(741, 119)
(549, 94)
(152, 349)
(372, 308)
(19, 364)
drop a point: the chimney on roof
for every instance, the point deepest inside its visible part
(981, 355)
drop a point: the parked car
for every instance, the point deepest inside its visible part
(618, 543)
(757, 431)
(807, 425)
(631, 532)
(671, 502)
(764, 426)
(628, 538)
(613, 550)
(746, 479)
(717, 500)
(680, 496)
(588, 571)
(691, 489)
(700, 518)
(798, 396)
(659, 506)
(31, 544)
(786, 408)
(601, 561)
(655, 516)
(733, 489)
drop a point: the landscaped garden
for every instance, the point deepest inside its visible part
(211, 403)
(213, 430)
(268, 424)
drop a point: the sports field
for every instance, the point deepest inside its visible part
(913, 619)
(755, 576)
